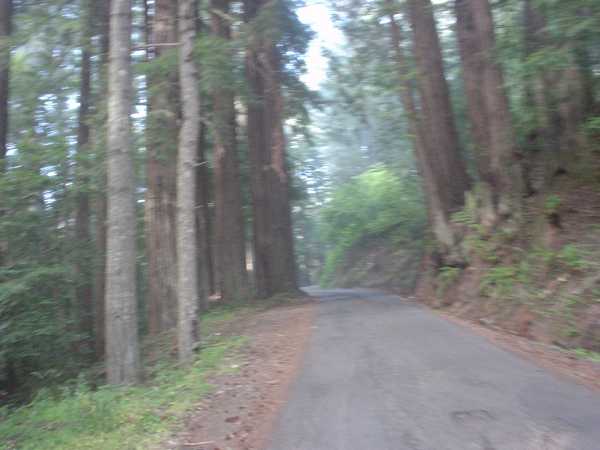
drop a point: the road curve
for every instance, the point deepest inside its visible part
(382, 373)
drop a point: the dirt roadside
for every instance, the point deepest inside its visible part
(561, 363)
(239, 413)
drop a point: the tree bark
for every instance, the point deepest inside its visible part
(230, 229)
(447, 181)
(100, 205)
(5, 33)
(186, 179)
(431, 187)
(206, 275)
(83, 269)
(438, 120)
(161, 198)
(122, 347)
(489, 113)
(274, 263)
(206, 271)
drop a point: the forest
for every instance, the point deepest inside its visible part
(163, 162)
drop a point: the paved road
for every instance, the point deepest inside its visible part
(384, 374)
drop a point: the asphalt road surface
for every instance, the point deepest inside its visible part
(384, 374)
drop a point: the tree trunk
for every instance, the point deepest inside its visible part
(274, 263)
(206, 271)
(5, 32)
(230, 230)
(440, 146)
(491, 127)
(122, 348)
(206, 276)
(100, 205)
(187, 272)
(83, 269)
(438, 220)
(160, 204)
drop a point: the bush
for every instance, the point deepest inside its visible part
(446, 277)
(373, 203)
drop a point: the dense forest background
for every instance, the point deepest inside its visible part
(160, 157)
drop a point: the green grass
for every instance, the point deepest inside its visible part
(118, 417)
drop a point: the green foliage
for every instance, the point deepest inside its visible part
(113, 417)
(552, 204)
(220, 69)
(571, 258)
(446, 277)
(499, 281)
(373, 203)
(587, 354)
(31, 299)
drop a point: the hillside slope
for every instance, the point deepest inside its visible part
(541, 281)
(379, 262)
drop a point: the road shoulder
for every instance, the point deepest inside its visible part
(248, 393)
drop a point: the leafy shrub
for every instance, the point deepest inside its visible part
(446, 277)
(500, 281)
(552, 204)
(571, 258)
(373, 203)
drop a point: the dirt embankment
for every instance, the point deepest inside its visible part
(541, 282)
(379, 263)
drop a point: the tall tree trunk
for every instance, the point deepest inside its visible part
(100, 205)
(160, 204)
(283, 264)
(206, 276)
(5, 32)
(206, 270)
(274, 264)
(83, 269)
(491, 127)
(431, 187)
(122, 347)
(230, 230)
(441, 147)
(186, 180)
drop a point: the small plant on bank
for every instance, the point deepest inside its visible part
(446, 277)
(500, 281)
(552, 205)
(571, 258)
(587, 354)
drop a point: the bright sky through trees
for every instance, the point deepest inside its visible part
(317, 16)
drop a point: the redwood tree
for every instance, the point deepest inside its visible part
(83, 269)
(274, 265)
(441, 147)
(100, 206)
(408, 96)
(5, 31)
(186, 179)
(229, 221)
(122, 348)
(489, 114)
(161, 138)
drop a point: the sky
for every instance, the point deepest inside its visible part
(316, 15)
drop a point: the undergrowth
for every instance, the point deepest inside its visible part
(137, 417)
